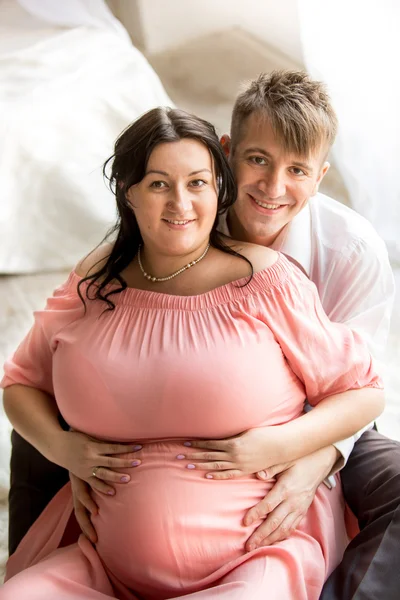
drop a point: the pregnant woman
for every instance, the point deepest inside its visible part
(174, 332)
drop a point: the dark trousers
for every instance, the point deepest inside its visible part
(370, 569)
(34, 482)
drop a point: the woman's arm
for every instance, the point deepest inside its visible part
(34, 415)
(31, 406)
(334, 418)
(261, 448)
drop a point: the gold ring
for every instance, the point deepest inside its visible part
(94, 472)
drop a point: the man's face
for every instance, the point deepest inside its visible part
(273, 185)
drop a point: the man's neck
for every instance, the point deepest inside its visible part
(238, 232)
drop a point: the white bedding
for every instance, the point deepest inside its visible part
(65, 94)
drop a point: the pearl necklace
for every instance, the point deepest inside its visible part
(159, 279)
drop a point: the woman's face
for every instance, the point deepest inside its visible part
(175, 204)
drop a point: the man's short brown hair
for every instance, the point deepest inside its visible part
(297, 107)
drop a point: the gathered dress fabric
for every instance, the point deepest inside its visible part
(162, 369)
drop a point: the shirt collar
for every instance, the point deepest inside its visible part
(294, 240)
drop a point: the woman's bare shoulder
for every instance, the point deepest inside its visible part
(94, 260)
(260, 257)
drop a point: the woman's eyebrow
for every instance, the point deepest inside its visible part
(158, 172)
(167, 174)
(199, 171)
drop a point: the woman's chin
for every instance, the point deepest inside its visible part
(179, 245)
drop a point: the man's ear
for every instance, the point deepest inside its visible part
(226, 144)
(322, 173)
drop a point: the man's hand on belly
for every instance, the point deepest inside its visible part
(288, 501)
(84, 506)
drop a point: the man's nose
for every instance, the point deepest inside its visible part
(273, 185)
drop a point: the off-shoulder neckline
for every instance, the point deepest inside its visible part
(261, 281)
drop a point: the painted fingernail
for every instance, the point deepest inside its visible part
(180, 456)
(125, 478)
(138, 447)
(191, 467)
(135, 463)
(209, 476)
(111, 492)
(187, 444)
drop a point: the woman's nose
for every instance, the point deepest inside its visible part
(180, 202)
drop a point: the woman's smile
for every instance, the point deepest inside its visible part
(178, 223)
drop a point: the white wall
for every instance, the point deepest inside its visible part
(167, 23)
(272, 21)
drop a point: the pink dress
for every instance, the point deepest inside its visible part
(162, 369)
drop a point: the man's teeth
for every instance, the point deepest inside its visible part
(264, 205)
(177, 222)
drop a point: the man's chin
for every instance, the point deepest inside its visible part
(263, 234)
(248, 225)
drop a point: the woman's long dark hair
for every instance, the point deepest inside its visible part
(128, 167)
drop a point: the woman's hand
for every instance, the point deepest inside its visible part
(251, 451)
(83, 456)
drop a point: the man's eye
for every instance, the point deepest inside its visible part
(258, 160)
(198, 183)
(158, 184)
(297, 171)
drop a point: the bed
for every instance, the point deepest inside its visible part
(71, 80)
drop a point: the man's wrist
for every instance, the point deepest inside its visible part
(332, 457)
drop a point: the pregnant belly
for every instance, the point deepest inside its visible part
(170, 528)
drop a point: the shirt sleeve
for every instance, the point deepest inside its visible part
(31, 363)
(327, 357)
(358, 289)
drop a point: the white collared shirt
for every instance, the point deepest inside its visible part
(342, 254)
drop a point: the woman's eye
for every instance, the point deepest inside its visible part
(258, 160)
(158, 185)
(198, 183)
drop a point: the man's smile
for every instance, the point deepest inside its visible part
(266, 207)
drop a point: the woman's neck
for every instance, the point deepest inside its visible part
(158, 264)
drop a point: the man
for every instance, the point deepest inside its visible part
(282, 129)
